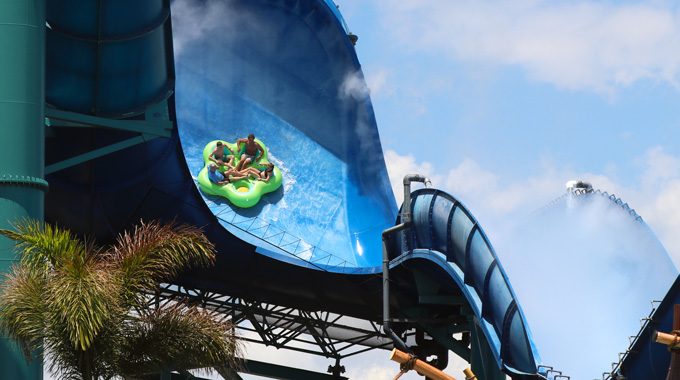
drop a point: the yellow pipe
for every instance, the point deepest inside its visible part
(420, 366)
(667, 339)
(469, 375)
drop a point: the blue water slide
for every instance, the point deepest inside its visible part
(445, 233)
(286, 71)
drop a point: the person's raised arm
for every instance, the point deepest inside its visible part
(259, 147)
(240, 141)
(212, 156)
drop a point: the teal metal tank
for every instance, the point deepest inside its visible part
(22, 83)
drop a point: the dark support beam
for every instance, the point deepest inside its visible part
(184, 375)
(674, 370)
(442, 300)
(97, 153)
(59, 118)
(279, 372)
(444, 336)
(228, 374)
(147, 129)
(482, 360)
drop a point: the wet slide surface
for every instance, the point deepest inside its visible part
(286, 72)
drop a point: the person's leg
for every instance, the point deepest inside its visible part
(245, 161)
(241, 163)
(250, 171)
(235, 174)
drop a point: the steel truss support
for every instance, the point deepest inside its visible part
(337, 336)
(256, 368)
(284, 373)
(313, 332)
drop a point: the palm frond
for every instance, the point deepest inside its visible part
(23, 307)
(66, 360)
(180, 337)
(157, 252)
(90, 309)
(85, 296)
(38, 243)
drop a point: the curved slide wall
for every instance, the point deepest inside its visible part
(287, 72)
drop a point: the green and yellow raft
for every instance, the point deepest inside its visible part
(244, 192)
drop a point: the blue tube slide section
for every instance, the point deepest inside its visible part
(447, 234)
(108, 58)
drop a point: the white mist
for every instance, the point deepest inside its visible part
(584, 271)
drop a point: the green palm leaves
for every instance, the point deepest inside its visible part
(89, 307)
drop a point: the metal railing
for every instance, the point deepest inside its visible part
(644, 322)
(279, 238)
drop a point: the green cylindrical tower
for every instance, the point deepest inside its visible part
(22, 125)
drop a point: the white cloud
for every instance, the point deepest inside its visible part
(374, 372)
(399, 166)
(660, 167)
(495, 199)
(376, 366)
(577, 45)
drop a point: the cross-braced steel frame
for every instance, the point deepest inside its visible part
(313, 332)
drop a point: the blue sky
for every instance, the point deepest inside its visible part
(502, 102)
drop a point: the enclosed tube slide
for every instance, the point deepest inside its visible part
(446, 234)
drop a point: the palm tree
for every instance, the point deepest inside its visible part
(88, 309)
